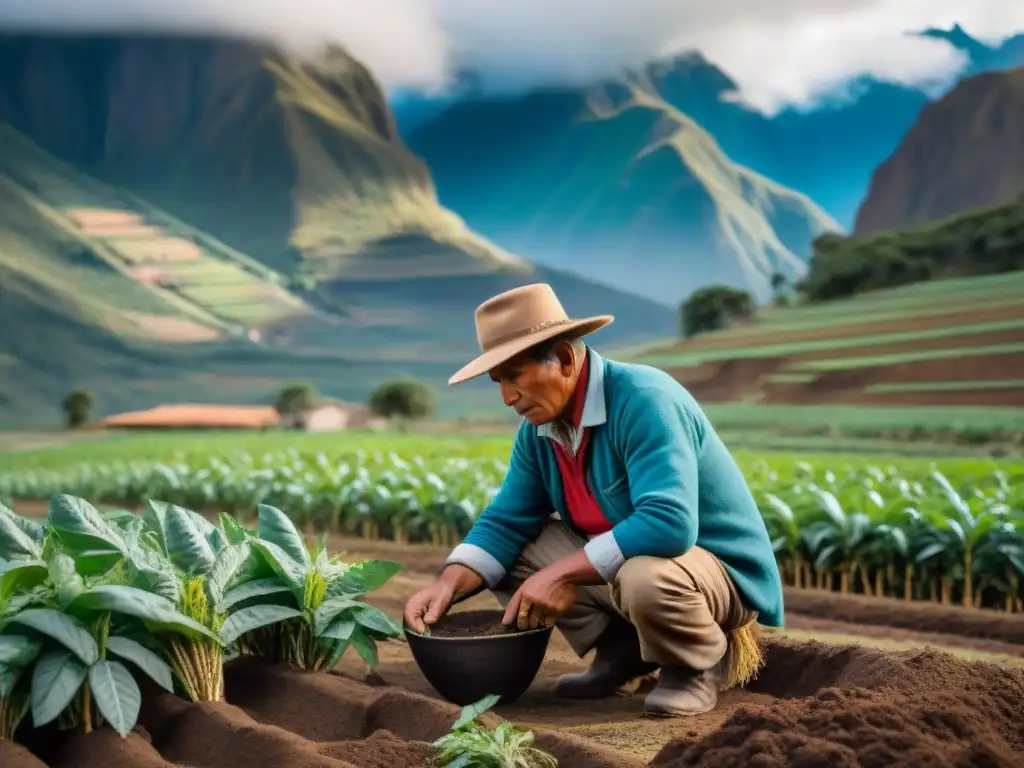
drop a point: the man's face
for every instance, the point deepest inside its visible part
(538, 391)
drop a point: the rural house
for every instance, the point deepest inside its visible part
(326, 417)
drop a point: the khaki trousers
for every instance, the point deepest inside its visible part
(681, 607)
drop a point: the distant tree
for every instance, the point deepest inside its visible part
(295, 401)
(403, 398)
(712, 308)
(779, 284)
(77, 407)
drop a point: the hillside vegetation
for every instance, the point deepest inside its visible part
(206, 220)
(985, 241)
(928, 347)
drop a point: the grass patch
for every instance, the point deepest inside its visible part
(847, 363)
(943, 386)
(825, 345)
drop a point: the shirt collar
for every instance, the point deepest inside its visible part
(594, 409)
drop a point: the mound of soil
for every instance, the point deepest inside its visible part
(853, 706)
(903, 614)
(472, 624)
(279, 717)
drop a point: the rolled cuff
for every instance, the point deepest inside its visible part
(479, 560)
(605, 555)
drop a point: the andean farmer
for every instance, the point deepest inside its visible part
(658, 557)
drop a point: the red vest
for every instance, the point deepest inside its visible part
(581, 506)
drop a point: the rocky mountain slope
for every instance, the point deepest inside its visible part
(221, 210)
(964, 152)
(482, 151)
(617, 182)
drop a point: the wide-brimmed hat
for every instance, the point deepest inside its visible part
(516, 320)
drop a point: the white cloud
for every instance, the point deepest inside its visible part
(779, 51)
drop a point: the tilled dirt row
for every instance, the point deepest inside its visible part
(813, 704)
(915, 615)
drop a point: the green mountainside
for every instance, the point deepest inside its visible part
(204, 220)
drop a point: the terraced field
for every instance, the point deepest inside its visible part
(955, 342)
(220, 290)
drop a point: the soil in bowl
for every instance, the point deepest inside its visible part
(472, 624)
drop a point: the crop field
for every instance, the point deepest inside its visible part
(849, 352)
(163, 588)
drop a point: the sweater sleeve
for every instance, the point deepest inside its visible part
(513, 519)
(660, 441)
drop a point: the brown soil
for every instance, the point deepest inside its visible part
(865, 708)
(795, 621)
(917, 616)
(281, 717)
(16, 756)
(472, 624)
(812, 704)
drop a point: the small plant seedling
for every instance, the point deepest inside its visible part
(471, 745)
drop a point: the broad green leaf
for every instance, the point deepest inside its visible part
(155, 520)
(66, 580)
(254, 617)
(364, 646)
(150, 568)
(249, 590)
(81, 527)
(15, 542)
(144, 659)
(184, 542)
(363, 577)
(229, 563)
(93, 562)
(116, 693)
(276, 527)
(214, 536)
(340, 646)
(9, 677)
(329, 610)
(18, 650)
(341, 629)
(20, 575)
(157, 613)
(234, 531)
(291, 573)
(376, 620)
(56, 678)
(32, 529)
(70, 632)
(471, 712)
(119, 517)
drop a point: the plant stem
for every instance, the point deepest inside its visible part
(86, 709)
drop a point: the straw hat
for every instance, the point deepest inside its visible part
(516, 320)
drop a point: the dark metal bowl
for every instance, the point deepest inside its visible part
(466, 669)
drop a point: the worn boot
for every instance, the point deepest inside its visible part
(683, 692)
(616, 662)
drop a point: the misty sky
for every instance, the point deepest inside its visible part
(781, 52)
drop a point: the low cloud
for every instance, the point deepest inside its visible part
(783, 52)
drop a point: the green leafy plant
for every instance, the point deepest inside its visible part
(171, 553)
(311, 610)
(470, 745)
(64, 641)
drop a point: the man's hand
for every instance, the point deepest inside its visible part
(430, 604)
(541, 599)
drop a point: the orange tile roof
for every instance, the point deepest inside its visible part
(223, 416)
